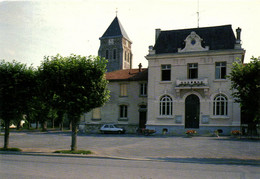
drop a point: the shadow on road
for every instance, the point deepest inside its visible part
(239, 139)
(218, 161)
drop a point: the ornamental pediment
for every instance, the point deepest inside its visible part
(193, 43)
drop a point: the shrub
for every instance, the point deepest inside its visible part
(191, 132)
(235, 132)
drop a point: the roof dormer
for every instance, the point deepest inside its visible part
(193, 44)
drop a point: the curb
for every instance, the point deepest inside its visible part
(227, 161)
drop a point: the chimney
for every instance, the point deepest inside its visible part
(238, 30)
(140, 67)
(238, 40)
(151, 50)
(157, 33)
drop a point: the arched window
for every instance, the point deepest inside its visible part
(166, 106)
(114, 54)
(220, 107)
(107, 54)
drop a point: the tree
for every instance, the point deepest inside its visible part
(16, 82)
(75, 84)
(245, 79)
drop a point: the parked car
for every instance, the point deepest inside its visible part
(111, 128)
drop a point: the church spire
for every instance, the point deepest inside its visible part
(115, 46)
(115, 30)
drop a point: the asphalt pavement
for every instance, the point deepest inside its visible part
(138, 147)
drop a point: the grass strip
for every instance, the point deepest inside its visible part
(11, 149)
(82, 152)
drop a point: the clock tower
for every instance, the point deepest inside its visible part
(115, 46)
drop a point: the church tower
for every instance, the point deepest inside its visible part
(115, 46)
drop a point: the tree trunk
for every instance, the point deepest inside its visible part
(29, 125)
(44, 126)
(70, 125)
(37, 125)
(61, 126)
(53, 125)
(60, 119)
(28, 118)
(6, 140)
(74, 122)
(18, 125)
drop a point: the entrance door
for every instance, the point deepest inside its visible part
(192, 111)
(142, 116)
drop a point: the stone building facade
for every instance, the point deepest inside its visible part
(188, 87)
(184, 87)
(127, 106)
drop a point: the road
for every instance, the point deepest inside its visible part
(14, 166)
(135, 146)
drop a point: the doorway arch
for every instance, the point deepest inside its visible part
(192, 111)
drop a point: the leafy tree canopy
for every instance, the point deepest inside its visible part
(16, 84)
(16, 81)
(245, 80)
(75, 83)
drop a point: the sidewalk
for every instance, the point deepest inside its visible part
(164, 148)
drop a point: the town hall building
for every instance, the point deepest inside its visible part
(184, 87)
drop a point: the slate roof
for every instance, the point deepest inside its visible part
(115, 30)
(217, 38)
(128, 75)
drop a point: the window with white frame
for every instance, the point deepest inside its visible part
(123, 89)
(96, 113)
(192, 71)
(221, 70)
(166, 106)
(166, 72)
(143, 89)
(123, 111)
(220, 106)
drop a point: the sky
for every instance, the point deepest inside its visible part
(30, 30)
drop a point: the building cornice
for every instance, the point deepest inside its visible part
(196, 54)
